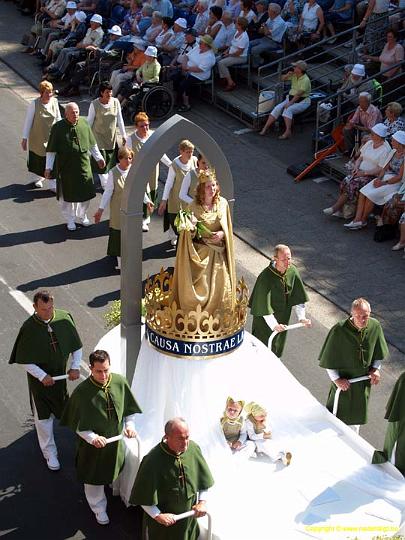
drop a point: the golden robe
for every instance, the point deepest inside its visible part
(205, 272)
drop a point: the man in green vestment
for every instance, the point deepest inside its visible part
(99, 408)
(394, 443)
(70, 144)
(173, 478)
(43, 346)
(353, 348)
(277, 289)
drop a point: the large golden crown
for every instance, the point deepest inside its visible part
(166, 319)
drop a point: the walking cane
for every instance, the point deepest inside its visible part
(289, 327)
(191, 513)
(63, 377)
(338, 390)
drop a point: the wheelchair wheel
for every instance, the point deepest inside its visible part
(158, 102)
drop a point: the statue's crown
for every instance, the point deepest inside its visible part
(167, 320)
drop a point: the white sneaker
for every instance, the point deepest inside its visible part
(53, 463)
(173, 241)
(145, 227)
(39, 184)
(328, 211)
(71, 226)
(398, 247)
(84, 221)
(102, 518)
(52, 185)
(354, 225)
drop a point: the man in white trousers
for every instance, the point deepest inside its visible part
(71, 142)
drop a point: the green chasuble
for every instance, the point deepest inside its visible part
(275, 293)
(72, 144)
(48, 345)
(352, 352)
(395, 434)
(102, 409)
(171, 482)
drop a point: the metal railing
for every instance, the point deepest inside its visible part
(338, 99)
(347, 55)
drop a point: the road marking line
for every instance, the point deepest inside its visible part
(242, 131)
(19, 297)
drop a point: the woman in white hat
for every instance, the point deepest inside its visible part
(171, 47)
(382, 188)
(370, 163)
(150, 70)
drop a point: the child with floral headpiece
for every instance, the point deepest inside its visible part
(234, 428)
(260, 434)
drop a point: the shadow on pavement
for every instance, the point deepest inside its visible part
(104, 299)
(54, 234)
(23, 193)
(94, 270)
(164, 250)
(39, 504)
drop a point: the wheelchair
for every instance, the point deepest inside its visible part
(155, 99)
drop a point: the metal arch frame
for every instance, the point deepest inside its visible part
(174, 129)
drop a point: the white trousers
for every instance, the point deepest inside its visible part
(268, 447)
(72, 210)
(247, 451)
(356, 428)
(96, 498)
(117, 78)
(45, 435)
(33, 178)
(291, 110)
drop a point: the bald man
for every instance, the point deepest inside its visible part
(71, 142)
(173, 478)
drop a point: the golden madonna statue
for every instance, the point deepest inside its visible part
(205, 265)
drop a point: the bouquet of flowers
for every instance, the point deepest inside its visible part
(186, 221)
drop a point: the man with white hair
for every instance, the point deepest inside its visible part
(223, 39)
(201, 21)
(273, 32)
(364, 118)
(354, 347)
(173, 478)
(168, 51)
(70, 144)
(93, 38)
(164, 7)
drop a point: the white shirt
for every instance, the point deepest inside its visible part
(120, 122)
(309, 17)
(240, 42)
(29, 118)
(164, 159)
(203, 60)
(171, 175)
(272, 322)
(201, 22)
(185, 186)
(89, 435)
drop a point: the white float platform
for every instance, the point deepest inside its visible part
(330, 490)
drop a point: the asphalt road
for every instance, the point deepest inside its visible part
(37, 251)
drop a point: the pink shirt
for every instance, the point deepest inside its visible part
(368, 118)
(390, 57)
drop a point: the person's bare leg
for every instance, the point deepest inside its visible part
(360, 207)
(269, 122)
(367, 208)
(339, 204)
(288, 124)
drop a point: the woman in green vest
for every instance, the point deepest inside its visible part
(42, 113)
(112, 194)
(104, 117)
(171, 204)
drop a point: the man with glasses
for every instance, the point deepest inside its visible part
(353, 348)
(71, 142)
(278, 289)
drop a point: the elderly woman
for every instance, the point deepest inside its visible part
(364, 118)
(370, 163)
(392, 121)
(42, 113)
(154, 29)
(235, 54)
(392, 53)
(291, 13)
(104, 117)
(311, 22)
(196, 66)
(297, 101)
(382, 188)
